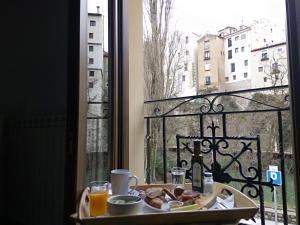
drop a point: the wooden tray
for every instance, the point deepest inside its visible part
(245, 208)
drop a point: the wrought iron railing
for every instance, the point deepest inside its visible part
(257, 115)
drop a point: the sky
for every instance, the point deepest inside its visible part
(209, 16)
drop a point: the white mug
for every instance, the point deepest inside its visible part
(120, 179)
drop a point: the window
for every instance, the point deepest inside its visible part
(260, 69)
(229, 42)
(206, 55)
(245, 75)
(91, 84)
(232, 67)
(206, 44)
(92, 73)
(242, 49)
(185, 67)
(187, 39)
(246, 62)
(276, 77)
(236, 50)
(234, 77)
(243, 36)
(264, 56)
(279, 50)
(92, 23)
(91, 35)
(275, 68)
(207, 67)
(230, 54)
(187, 52)
(236, 38)
(91, 48)
(265, 79)
(91, 60)
(207, 80)
(183, 77)
(226, 79)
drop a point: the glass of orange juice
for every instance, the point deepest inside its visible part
(98, 198)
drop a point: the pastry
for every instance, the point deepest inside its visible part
(154, 192)
(154, 202)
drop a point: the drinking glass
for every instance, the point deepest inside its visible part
(98, 198)
(178, 176)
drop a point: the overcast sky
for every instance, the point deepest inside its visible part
(209, 16)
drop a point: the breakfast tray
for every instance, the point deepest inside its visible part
(244, 208)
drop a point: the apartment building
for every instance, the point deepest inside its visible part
(269, 66)
(237, 46)
(211, 72)
(97, 85)
(188, 75)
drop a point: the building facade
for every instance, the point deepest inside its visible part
(188, 75)
(211, 70)
(269, 66)
(237, 46)
(97, 85)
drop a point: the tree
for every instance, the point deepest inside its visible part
(163, 59)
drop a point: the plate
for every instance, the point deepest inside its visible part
(130, 192)
(164, 208)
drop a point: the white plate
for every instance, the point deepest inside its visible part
(130, 192)
(164, 208)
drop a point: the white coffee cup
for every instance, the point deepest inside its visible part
(120, 179)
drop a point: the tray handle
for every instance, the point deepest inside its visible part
(84, 206)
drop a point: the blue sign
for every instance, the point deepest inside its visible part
(275, 176)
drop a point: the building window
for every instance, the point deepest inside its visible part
(187, 39)
(236, 50)
(91, 60)
(243, 36)
(92, 73)
(226, 79)
(185, 67)
(207, 80)
(232, 67)
(230, 54)
(275, 68)
(91, 84)
(206, 44)
(260, 69)
(183, 77)
(242, 49)
(245, 75)
(264, 56)
(229, 42)
(91, 35)
(92, 23)
(187, 52)
(234, 77)
(246, 62)
(91, 48)
(207, 67)
(236, 38)
(206, 55)
(265, 79)
(279, 50)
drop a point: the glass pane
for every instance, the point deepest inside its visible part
(97, 91)
(233, 46)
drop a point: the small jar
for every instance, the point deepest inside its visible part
(208, 183)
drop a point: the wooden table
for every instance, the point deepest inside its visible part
(245, 208)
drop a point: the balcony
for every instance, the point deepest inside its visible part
(242, 133)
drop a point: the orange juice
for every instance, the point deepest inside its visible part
(98, 203)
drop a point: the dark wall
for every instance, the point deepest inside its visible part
(33, 102)
(34, 56)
